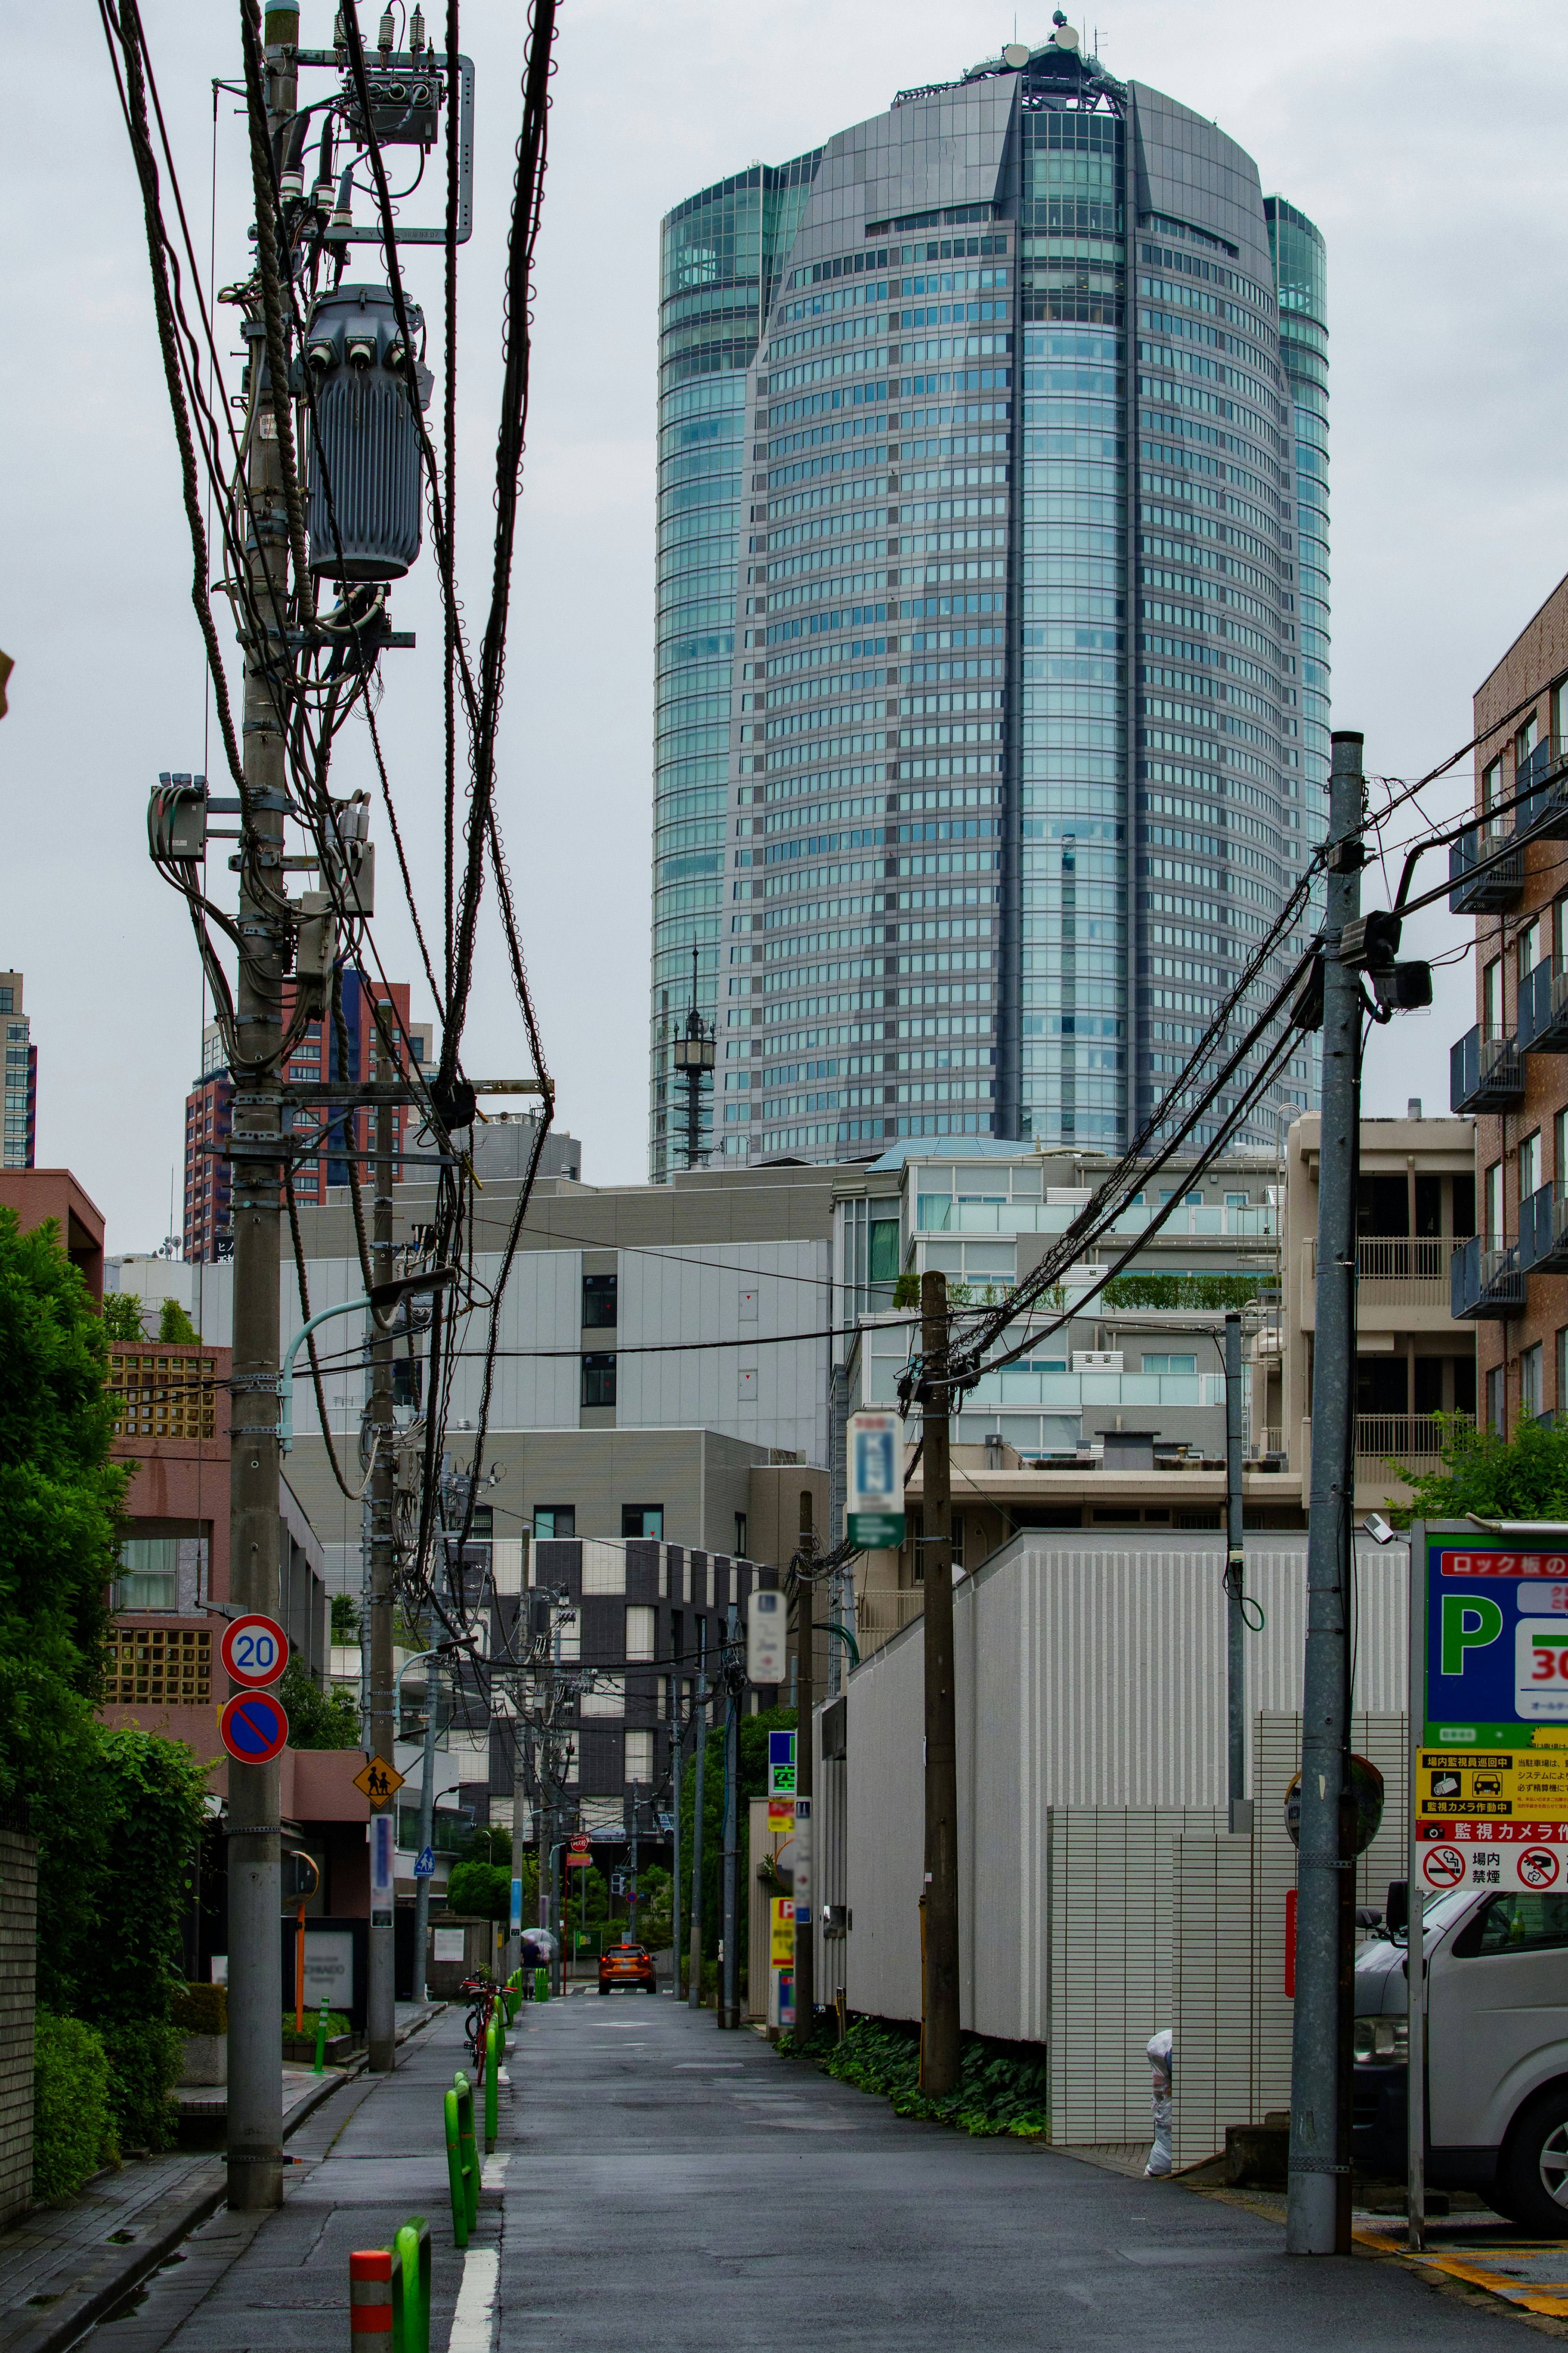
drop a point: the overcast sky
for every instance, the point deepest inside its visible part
(1424, 139)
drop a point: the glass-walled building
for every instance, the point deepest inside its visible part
(988, 749)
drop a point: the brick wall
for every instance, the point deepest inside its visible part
(18, 1932)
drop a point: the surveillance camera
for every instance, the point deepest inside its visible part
(1378, 1529)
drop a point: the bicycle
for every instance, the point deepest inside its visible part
(477, 2021)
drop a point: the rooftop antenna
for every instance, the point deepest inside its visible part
(694, 1061)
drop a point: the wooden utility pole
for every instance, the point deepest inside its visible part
(939, 2048)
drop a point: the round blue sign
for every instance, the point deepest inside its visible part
(253, 1728)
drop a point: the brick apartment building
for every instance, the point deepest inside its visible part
(1511, 1070)
(208, 1225)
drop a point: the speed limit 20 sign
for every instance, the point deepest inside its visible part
(253, 1650)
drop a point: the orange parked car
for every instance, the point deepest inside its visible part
(627, 1966)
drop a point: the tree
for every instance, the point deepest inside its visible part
(175, 1327)
(751, 1765)
(1524, 1477)
(317, 1719)
(345, 1618)
(122, 1324)
(60, 1500)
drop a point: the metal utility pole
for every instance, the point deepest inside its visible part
(699, 1717)
(427, 1825)
(1319, 2214)
(804, 1704)
(939, 2042)
(254, 2128)
(382, 2003)
(1235, 1582)
(729, 1969)
(519, 1808)
(677, 1744)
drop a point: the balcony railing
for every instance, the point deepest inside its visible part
(1404, 1437)
(882, 1613)
(1394, 1275)
(939, 1213)
(1489, 1283)
(1543, 1008)
(1543, 1231)
(1485, 1071)
(1543, 777)
(1483, 872)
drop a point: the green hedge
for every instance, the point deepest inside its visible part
(145, 2055)
(73, 2134)
(998, 2091)
(200, 2010)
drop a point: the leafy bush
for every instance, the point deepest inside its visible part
(317, 1719)
(1184, 1290)
(336, 2024)
(998, 2090)
(122, 1324)
(73, 2134)
(1523, 1477)
(145, 2056)
(200, 2010)
(479, 1891)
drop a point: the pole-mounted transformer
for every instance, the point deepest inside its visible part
(364, 457)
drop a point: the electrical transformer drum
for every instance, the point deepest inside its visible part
(365, 450)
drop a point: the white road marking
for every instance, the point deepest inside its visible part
(494, 2176)
(473, 2323)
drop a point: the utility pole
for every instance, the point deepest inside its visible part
(255, 2101)
(383, 2004)
(1235, 1581)
(1319, 2213)
(804, 1702)
(677, 1744)
(730, 1973)
(426, 1824)
(699, 1717)
(519, 1807)
(939, 2042)
(632, 1920)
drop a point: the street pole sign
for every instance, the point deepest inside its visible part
(425, 1864)
(253, 1650)
(874, 1471)
(253, 1728)
(767, 1633)
(1491, 1755)
(781, 1764)
(379, 1782)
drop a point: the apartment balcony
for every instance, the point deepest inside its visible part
(1484, 873)
(1543, 1008)
(1543, 1231)
(1413, 1440)
(1543, 777)
(1485, 1071)
(1489, 1283)
(1402, 1283)
(885, 1612)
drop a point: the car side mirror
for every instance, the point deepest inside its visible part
(1396, 1910)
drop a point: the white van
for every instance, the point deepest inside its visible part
(1497, 2050)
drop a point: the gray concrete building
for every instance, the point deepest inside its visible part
(991, 684)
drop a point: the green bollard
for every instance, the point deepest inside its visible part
(321, 2038)
(541, 1985)
(454, 2172)
(492, 2086)
(466, 2142)
(411, 2286)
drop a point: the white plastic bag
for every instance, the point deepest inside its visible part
(1161, 2069)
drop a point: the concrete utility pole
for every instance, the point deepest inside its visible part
(805, 1703)
(1319, 2214)
(1235, 1581)
(426, 1824)
(699, 1717)
(255, 2131)
(519, 1808)
(632, 1907)
(382, 2005)
(939, 2042)
(730, 1974)
(677, 1744)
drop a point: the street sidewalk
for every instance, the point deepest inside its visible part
(63, 2267)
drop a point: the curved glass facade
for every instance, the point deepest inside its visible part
(1300, 277)
(1011, 763)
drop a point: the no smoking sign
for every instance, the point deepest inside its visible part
(1451, 1865)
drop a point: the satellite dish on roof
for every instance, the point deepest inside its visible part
(1016, 55)
(1065, 37)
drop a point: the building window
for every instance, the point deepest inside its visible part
(554, 1520)
(1152, 1364)
(1529, 1166)
(1491, 995)
(1532, 1403)
(640, 1620)
(149, 1577)
(1492, 785)
(598, 1380)
(642, 1520)
(1494, 1397)
(599, 1302)
(740, 1553)
(639, 1758)
(1494, 1207)
(1524, 743)
(1529, 947)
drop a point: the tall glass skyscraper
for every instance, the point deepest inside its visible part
(992, 615)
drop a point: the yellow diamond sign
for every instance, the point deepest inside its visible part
(379, 1782)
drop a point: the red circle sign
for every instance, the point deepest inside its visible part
(254, 1651)
(253, 1728)
(1537, 1867)
(1444, 1866)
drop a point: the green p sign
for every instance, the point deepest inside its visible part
(1471, 1622)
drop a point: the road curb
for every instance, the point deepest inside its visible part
(116, 2272)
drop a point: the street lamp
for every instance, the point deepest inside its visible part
(382, 1299)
